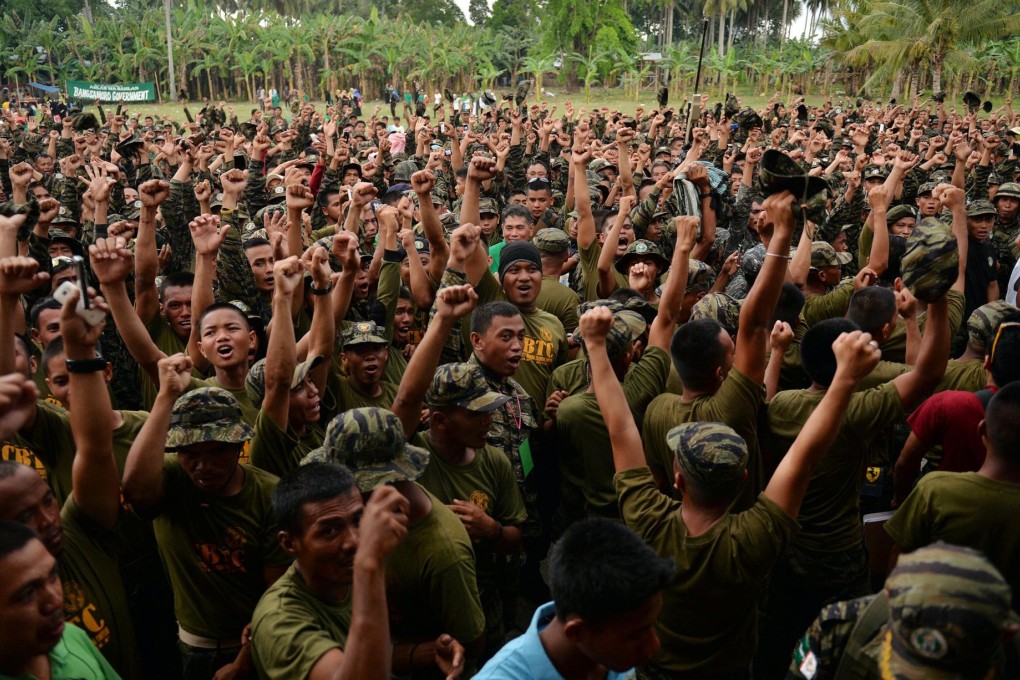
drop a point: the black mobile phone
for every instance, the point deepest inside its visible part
(240, 161)
(632, 124)
(83, 284)
(347, 135)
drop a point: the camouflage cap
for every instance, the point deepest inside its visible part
(1007, 190)
(940, 177)
(588, 305)
(778, 172)
(255, 383)
(216, 201)
(641, 250)
(551, 240)
(926, 188)
(206, 414)
(984, 321)
(486, 206)
(994, 179)
(824, 255)
(981, 207)
(600, 164)
(61, 236)
(931, 262)
(948, 608)
(269, 209)
(363, 333)
(875, 172)
(700, 277)
(463, 385)
(403, 170)
(752, 261)
(627, 327)
(64, 216)
(277, 194)
(719, 307)
(133, 210)
(371, 442)
(711, 454)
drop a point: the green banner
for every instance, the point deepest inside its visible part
(130, 92)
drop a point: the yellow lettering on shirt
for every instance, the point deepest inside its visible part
(225, 558)
(245, 456)
(537, 351)
(25, 456)
(84, 614)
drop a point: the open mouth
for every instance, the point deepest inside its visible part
(225, 351)
(514, 361)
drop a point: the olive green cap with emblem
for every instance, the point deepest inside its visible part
(931, 261)
(363, 333)
(206, 414)
(64, 216)
(984, 321)
(639, 250)
(463, 385)
(711, 454)
(371, 442)
(551, 240)
(255, 383)
(948, 610)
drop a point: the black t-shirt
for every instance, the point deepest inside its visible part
(981, 262)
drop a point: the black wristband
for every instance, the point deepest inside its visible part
(85, 365)
(321, 291)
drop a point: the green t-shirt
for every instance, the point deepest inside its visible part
(709, 615)
(488, 481)
(341, 396)
(559, 301)
(589, 258)
(545, 341)
(828, 306)
(169, 344)
(738, 403)
(277, 451)
(895, 346)
(963, 508)
(292, 628)
(830, 514)
(94, 597)
(430, 580)
(215, 549)
(586, 453)
(74, 657)
(249, 411)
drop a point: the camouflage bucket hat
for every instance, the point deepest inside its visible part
(1007, 190)
(363, 333)
(207, 414)
(487, 206)
(948, 607)
(779, 173)
(752, 261)
(463, 385)
(627, 327)
(985, 320)
(710, 453)
(639, 250)
(981, 207)
(551, 240)
(403, 171)
(926, 188)
(719, 307)
(61, 236)
(255, 383)
(371, 442)
(824, 255)
(931, 262)
(700, 277)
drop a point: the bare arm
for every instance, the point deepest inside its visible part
(281, 355)
(423, 182)
(152, 194)
(661, 332)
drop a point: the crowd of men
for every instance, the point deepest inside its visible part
(518, 393)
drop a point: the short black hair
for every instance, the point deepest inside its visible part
(484, 314)
(871, 308)
(600, 570)
(816, 355)
(514, 210)
(55, 348)
(791, 301)
(309, 483)
(218, 306)
(26, 344)
(41, 306)
(601, 217)
(1005, 363)
(540, 184)
(697, 352)
(14, 536)
(255, 243)
(175, 280)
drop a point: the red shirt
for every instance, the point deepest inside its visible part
(950, 419)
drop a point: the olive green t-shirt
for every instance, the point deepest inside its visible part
(215, 549)
(94, 597)
(589, 259)
(828, 306)
(249, 411)
(277, 451)
(586, 453)
(967, 374)
(709, 615)
(488, 481)
(292, 628)
(895, 346)
(431, 586)
(963, 508)
(341, 396)
(559, 301)
(830, 514)
(168, 343)
(738, 403)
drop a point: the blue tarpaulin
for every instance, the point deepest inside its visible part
(45, 88)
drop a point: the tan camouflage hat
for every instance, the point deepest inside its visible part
(371, 442)
(700, 277)
(487, 206)
(363, 333)
(207, 414)
(463, 385)
(824, 255)
(931, 262)
(710, 453)
(948, 607)
(255, 383)
(627, 327)
(551, 240)
(719, 307)
(985, 320)
(642, 249)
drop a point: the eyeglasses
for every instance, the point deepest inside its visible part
(998, 334)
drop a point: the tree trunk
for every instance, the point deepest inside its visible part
(722, 33)
(936, 73)
(208, 77)
(782, 28)
(733, 28)
(897, 85)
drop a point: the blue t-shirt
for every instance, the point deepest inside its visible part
(525, 658)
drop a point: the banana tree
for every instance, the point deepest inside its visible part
(537, 65)
(591, 62)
